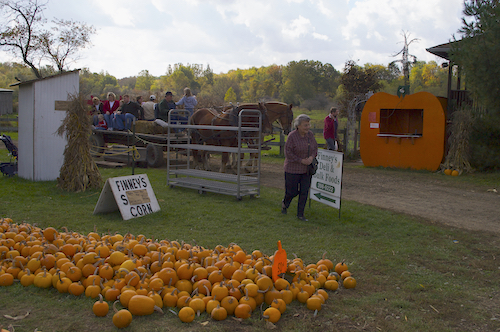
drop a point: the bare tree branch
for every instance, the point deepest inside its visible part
(22, 33)
(18, 35)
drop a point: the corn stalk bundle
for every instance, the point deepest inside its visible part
(79, 171)
(458, 154)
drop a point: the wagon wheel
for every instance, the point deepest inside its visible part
(96, 145)
(154, 155)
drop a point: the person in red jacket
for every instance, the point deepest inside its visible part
(109, 108)
(330, 129)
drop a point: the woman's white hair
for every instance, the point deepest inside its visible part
(301, 118)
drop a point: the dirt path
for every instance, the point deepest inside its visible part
(415, 194)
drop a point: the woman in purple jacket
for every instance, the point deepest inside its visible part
(300, 149)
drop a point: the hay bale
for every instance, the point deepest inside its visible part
(149, 127)
(79, 171)
(458, 154)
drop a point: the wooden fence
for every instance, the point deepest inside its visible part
(4, 124)
(342, 136)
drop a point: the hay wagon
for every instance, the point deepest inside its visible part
(150, 146)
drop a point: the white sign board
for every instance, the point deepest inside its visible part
(326, 184)
(132, 195)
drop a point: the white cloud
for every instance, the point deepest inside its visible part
(134, 35)
(297, 28)
(320, 36)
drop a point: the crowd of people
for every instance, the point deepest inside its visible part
(113, 114)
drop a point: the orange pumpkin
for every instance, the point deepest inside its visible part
(272, 315)
(122, 318)
(186, 314)
(219, 313)
(100, 308)
(141, 305)
(349, 282)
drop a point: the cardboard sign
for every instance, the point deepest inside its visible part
(326, 184)
(132, 195)
(279, 263)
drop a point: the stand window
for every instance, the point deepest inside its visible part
(401, 121)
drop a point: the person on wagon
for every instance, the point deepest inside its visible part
(149, 108)
(110, 106)
(188, 100)
(129, 112)
(95, 110)
(165, 106)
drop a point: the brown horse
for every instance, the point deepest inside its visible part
(223, 137)
(276, 111)
(281, 112)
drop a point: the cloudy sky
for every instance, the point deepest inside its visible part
(135, 35)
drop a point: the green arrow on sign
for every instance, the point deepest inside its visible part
(319, 196)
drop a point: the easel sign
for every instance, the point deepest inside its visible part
(132, 195)
(326, 184)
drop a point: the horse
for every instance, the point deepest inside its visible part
(281, 112)
(276, 111)
(226, 138)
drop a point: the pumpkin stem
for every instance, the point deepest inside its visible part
(264, 291)
(172, 312)
(100, 298)
(158, 309)
(114, 305)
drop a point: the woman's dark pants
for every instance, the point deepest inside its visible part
(297, 184)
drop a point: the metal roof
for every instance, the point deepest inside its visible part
(44, 78)
(443, 50)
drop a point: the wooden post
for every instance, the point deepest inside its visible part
(355, 150)
(282, 143)
(346, 139)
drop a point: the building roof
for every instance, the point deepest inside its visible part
(443, 50)
(44, 78)
(6, 90)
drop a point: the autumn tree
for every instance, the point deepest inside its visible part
(297, 83)
(230, 96)
(144, 81)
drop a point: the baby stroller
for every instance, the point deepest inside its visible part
(9, 168)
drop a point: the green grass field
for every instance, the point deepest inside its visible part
(412, 274)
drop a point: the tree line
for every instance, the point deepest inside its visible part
(306, 83)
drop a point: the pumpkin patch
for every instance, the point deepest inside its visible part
(144, 275)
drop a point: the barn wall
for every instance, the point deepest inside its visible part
(25, 130)
(5, 101)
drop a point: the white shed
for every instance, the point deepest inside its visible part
(41, 150)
